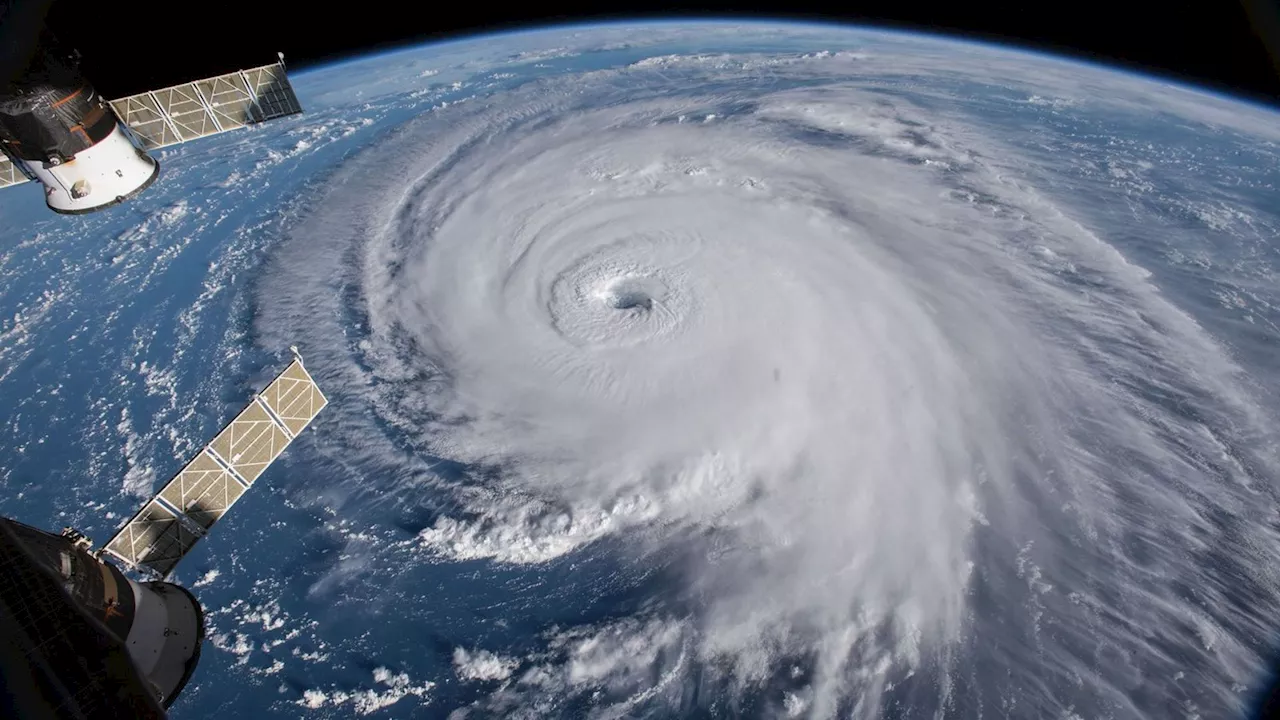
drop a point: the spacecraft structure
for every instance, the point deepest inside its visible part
(85, 638)
(90, 153)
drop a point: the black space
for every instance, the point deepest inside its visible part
(1221, 44)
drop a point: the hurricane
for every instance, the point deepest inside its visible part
(691, 370)
(868, 418)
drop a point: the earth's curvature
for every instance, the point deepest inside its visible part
(693, 370)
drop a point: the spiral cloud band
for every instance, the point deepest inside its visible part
(913, 435)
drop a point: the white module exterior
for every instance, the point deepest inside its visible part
(107, 173)
(164, 640)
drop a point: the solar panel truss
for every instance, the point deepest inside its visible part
(9, 173)
(207, 107)
(171, 523)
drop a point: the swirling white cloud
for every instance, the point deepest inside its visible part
(881, 392)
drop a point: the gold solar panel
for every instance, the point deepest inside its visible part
(9, 173)
(169, 525)
(273, 95)
(251, 442)
(207, 107)
(154, 539)
(294, 398)
(204, 490)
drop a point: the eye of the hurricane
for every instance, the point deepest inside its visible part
(635, 294)
(608, 304)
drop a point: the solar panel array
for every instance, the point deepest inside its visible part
(196, 109)
(9, 173)
(208, 107)
(184, 510)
